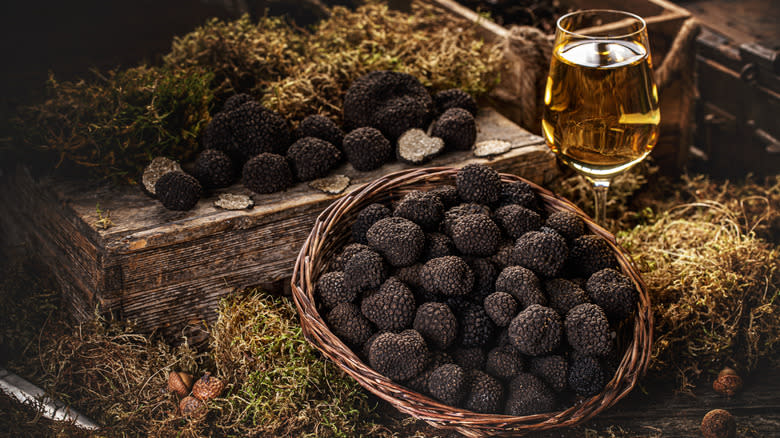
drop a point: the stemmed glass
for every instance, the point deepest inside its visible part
(601, 111)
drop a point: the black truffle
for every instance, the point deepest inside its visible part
(448, 195)
(589, 254)
(392, 102)
(437, 245)
(568, 224)
(267, 173)
(614, 292)
(321, 127)
(454, 214)
(587, 330)
(367, 217)
(522, 284)
(529, 395)
(448, 384)
(457, 128)
(399, 356)
(363, 271)
(332, 291)
(478, 183)
(419, 382)
(257, 130)
(485, 274)
(448, 276)
(340, 260)
(367, 149)
(484, 394)
(455, 98)
(214, 169)
(520, 193)
(472, 358)
(536, 331)
(236, 101)
(423, 208)
(504, 362)
(551, 369)
(501, 308)
(563, 295)
(543, 253)
(346, 321)
(218, 135)
(516, 220)
(312, 158)
(392, 308)
(400, 240)
(503, 256)
(476, 235)
(410, 275)
(437, 324)
(475, 328)
(586, 377)
(177, 191)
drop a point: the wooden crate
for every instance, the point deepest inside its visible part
(168, 270)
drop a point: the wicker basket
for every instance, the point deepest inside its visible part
(332, 230)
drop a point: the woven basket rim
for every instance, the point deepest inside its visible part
(309, 265)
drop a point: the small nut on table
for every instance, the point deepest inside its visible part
(728, 382)
(207, 387)
(718, 423)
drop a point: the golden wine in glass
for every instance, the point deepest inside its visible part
(601, 111)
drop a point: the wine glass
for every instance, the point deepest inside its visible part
(601, 111)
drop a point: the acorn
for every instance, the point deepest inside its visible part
(207, 387)
(728, 382)
(180, 382)
(191, 407)
(718, 423)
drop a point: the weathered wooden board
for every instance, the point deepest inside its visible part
(168, 269)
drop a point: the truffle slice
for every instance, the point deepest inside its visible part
(416, 147)
(400, 240)
(367, 149)
(391, 308)
(536, 331)
(437, 324)
(267, 173)
(423, 208)
(177, 191)
(448, 276)
(478, 183)
(543, 253)
(529, 395)
(448, 383)
(399, 356)
(477, 235)
(312, 158)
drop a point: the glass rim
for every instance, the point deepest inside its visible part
(614, 11)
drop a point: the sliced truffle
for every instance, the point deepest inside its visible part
(457, 128)
(340, 260)
(392, 308)
(587, 330)
(551, 369)
(400, 240)
(423, 208)
(367, 149)
(475, 328)
(589, 254)
(448, 384)
(312, 158)
(586, 377)
(520, 193)
(478, 183)
(614, 292)
(529, 395)
(563, 295)
(437, 324)
(454, 214)
(485, 274)
(267, 173)
(332, 291)
(484, 394)
(472, 358)
(399, 356)
(321, 127)
(416, 147)
(437, 245)
(504, 362)
(448, 195)
(568, 224)
(447, 276)
(536, 331)
(476, 235)
(501, 308)
(543, 253)
(214, 169)
(363, 271)
(455, 98)
(236, 101)
(257, 130)
(522, 284)
(516, 220)
(346, 321)
(177, 191)
(365, 218)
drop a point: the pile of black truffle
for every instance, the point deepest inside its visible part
(248, 140)
(474, 295)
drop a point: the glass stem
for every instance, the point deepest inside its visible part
(600, 188)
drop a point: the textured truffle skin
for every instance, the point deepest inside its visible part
(567, 224)
(454, 214)
(504, 362)
(448, 384)
(400, 240)
(476, 235)
(364, 270)
(365, 218)
(520, 193)
(543, 253)
(177, 191)
(367, 149)
(587, 330)
(346, 321)
(437, 324)
(552, 370)
(392, 308)
(447, 194)
(563, 295)
(485, 274)
(340, 260)
(472, 358)
(218, 134)
(589, 254)
(522, 284)
(449, 276)
(257, 129)
(475, 328)
(236, 101)
(399, 356)
(311, 158)
(536, 331)
(437, 245)
(455, 98)
(423, 208)
(267, 173)
(410, 275)
(392, 102)
(586, 377)
(457, 128)
(478, 183)
(528, 395)
(718, 423)
(501, 308)
(485, 393)
(419, 382)
(332, 291)
(214, 169)
(321, 127)
(516, 220)
(613, 291)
